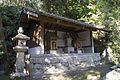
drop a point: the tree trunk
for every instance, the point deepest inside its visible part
(3, 61)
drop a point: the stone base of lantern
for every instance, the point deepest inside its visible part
(69, 49)
(19, 76)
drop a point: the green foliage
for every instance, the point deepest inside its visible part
(74, 9)
(4, 77)
(1, 52)
(34, 4)
(111, 20)
(10, 18)
(10, 11)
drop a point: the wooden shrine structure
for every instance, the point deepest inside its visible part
(57, 44)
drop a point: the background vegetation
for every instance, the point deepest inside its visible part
(105, 13)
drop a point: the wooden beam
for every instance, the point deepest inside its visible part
(57, 27)
(65, 22)
(77, 31)
(55, 21)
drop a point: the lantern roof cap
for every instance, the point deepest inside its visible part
(20, 35)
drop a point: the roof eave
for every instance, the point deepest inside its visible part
(25, 10)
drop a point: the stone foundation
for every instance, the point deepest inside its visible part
(48, 65)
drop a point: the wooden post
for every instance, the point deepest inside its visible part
(38, 36)
(41, 36)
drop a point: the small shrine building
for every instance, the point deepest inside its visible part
(57, 44)
(51, 33)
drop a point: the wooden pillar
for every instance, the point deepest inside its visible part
(41, 27)
(92, 42)
(38, 36)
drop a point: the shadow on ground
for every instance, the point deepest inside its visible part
(91, 73)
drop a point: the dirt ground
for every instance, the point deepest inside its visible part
(91, 73)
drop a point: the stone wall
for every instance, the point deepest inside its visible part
(45, 65)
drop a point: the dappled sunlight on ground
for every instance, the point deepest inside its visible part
(87, 76)
(91, 73)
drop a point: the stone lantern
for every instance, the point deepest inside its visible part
(20, 49)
